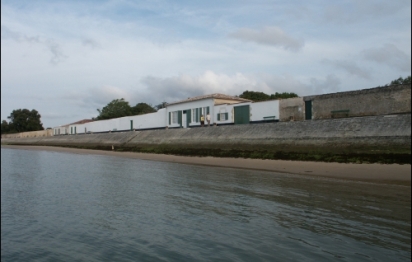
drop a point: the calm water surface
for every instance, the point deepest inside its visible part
(73, 207)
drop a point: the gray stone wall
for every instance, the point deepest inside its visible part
(375, 131)
(394, 99)
(291, 109)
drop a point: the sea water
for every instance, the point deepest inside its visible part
(76, 207)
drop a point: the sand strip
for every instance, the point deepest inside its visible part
(377, 172)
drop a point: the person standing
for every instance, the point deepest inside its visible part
(208, 119)
(202, 121)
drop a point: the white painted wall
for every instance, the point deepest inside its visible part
(160, 118)
(225, 108)
(152, 120)
(258, 110)
(63, 131)
(146, 121)
(208, 102)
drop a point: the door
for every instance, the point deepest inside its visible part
(308, 110)
(184, 119)
(188, 117)
(242, 114)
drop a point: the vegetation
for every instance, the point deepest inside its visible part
(120, 108)
(260, 96)
(142, 108)
(400, 81)
(161, 105)
(22, 120)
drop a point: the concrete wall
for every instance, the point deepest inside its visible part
(394, 99)
(40, 133)
(351, 134)
(259, 110)
(292, 109)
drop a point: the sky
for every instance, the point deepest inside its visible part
(66, 59)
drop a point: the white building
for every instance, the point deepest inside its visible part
(187, 113)
(223, 110)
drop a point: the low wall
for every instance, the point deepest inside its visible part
(40, 133)
(381, 136)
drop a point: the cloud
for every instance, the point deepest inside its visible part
(52, 46)
(329, 85)
(56, 51)
(183, 86)
(273, 36)
(97, 96)
(91, 42)
(6, 33)
(389, 55)
(355, 11)
(350, 67)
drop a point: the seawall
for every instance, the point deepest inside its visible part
(384, 139)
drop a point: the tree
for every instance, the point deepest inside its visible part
(161, 105)
(283, 95)
(260, 96)
(400, 81)
(5, 128)
(254, 96)
(116, 108)
(142, 108)
(23, 120)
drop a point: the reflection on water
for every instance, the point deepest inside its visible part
(59, 206)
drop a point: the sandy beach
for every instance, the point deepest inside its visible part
(370, 172)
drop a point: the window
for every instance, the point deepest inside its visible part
(194, 115)
(174, 117)
(223, 117)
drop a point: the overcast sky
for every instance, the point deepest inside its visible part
(67, 58)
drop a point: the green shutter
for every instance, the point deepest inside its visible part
(197, 114)
(179, 117)
(131, 124)
(227, 116)
(218, 117)
(189, 116)
(170, 116)
(208, 110)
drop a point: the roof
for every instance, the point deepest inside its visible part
(215, 96)
(79, 122)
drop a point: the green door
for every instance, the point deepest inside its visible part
(308, 110)
(242, 114)
(131, 125)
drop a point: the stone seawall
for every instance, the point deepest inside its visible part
(384, 139)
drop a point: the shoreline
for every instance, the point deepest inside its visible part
(386, 173)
